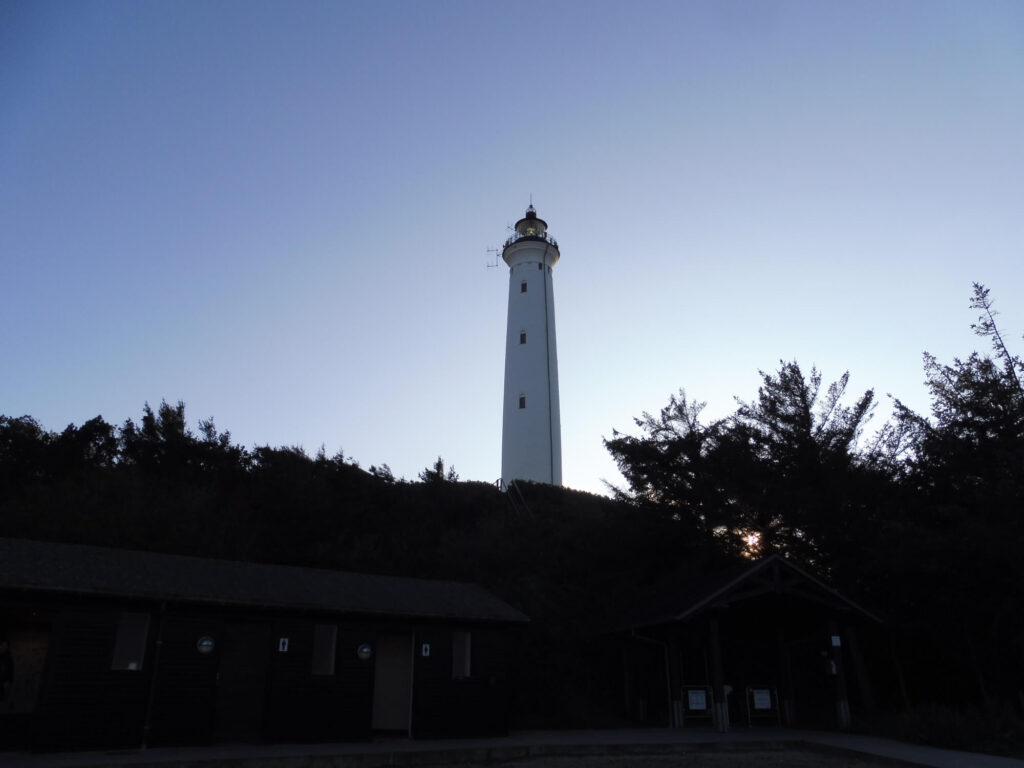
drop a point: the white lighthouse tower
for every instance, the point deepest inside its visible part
(531, 434)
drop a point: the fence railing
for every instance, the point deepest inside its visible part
(544, 238)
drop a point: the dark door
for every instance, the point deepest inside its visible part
(242, 682)
(23, 648)
(392, 682)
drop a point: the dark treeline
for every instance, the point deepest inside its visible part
(922, 522)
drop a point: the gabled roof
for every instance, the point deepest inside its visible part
(37, 566)
(675, 602)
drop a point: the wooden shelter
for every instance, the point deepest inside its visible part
(764, 642)
(116, 648)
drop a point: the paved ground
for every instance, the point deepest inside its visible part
(697, 757)
(646, 748)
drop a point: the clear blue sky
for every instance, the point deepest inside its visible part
(280, 213)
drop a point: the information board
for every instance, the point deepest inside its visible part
(697, 700)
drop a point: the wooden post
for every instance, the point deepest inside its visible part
(898, 667)
(679, 681)
(627, 699)
(842, 700)
(675, 676)
(863, 680)
(670, 714)
(721, 705)
(785, 679)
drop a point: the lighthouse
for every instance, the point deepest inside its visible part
(531, 433)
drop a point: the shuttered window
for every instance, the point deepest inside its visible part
(130, 644)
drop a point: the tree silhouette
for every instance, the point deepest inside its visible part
(779, 475)
(960, 522)
(436, 473)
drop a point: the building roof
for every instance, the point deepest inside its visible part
(37, 566)
(675, 602)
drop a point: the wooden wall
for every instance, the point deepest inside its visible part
(302, 706)
(185, 684)
(195, 698)
(84, 703)
(474, 706)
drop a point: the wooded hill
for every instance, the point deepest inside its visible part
(922, 524)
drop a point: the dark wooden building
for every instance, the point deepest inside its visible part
(115, 648)
(761, 643)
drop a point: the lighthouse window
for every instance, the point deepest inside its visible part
(522, 337)
(522, 401)
(522, 287)
(540, 267)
